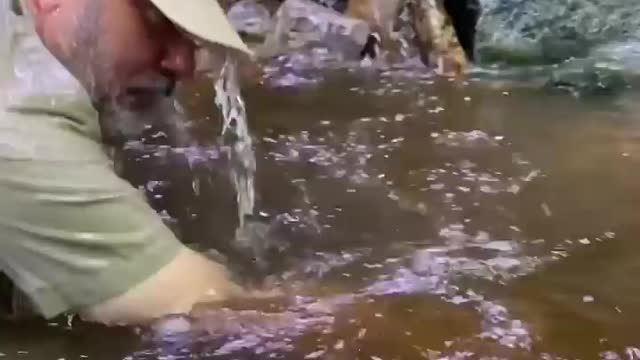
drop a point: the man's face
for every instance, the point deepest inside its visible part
(125, 52)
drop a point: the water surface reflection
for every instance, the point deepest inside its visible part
(413, 217)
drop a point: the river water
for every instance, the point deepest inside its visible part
(414, 217)
(407, 217)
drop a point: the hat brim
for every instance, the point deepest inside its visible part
(204, 19)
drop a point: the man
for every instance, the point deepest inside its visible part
(74, 236)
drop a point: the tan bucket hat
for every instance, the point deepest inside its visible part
(204, 19)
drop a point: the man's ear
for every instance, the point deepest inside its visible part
(40, 11)
(42, 7)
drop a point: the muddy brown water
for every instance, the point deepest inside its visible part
(418, 218)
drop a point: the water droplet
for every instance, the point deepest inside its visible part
(498, 246)
(316, 354)
(546, 209)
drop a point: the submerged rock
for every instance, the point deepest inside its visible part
(587, 78)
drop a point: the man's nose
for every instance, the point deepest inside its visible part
(179, 57)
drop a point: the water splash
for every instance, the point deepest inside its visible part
(6, 32)
(235, 131)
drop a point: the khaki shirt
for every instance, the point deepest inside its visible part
(72, 233)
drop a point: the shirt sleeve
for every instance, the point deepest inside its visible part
(72, 233)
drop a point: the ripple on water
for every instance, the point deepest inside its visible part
(463, 184)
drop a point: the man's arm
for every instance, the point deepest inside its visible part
(77, 238)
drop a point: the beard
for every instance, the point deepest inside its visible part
(158, 116)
